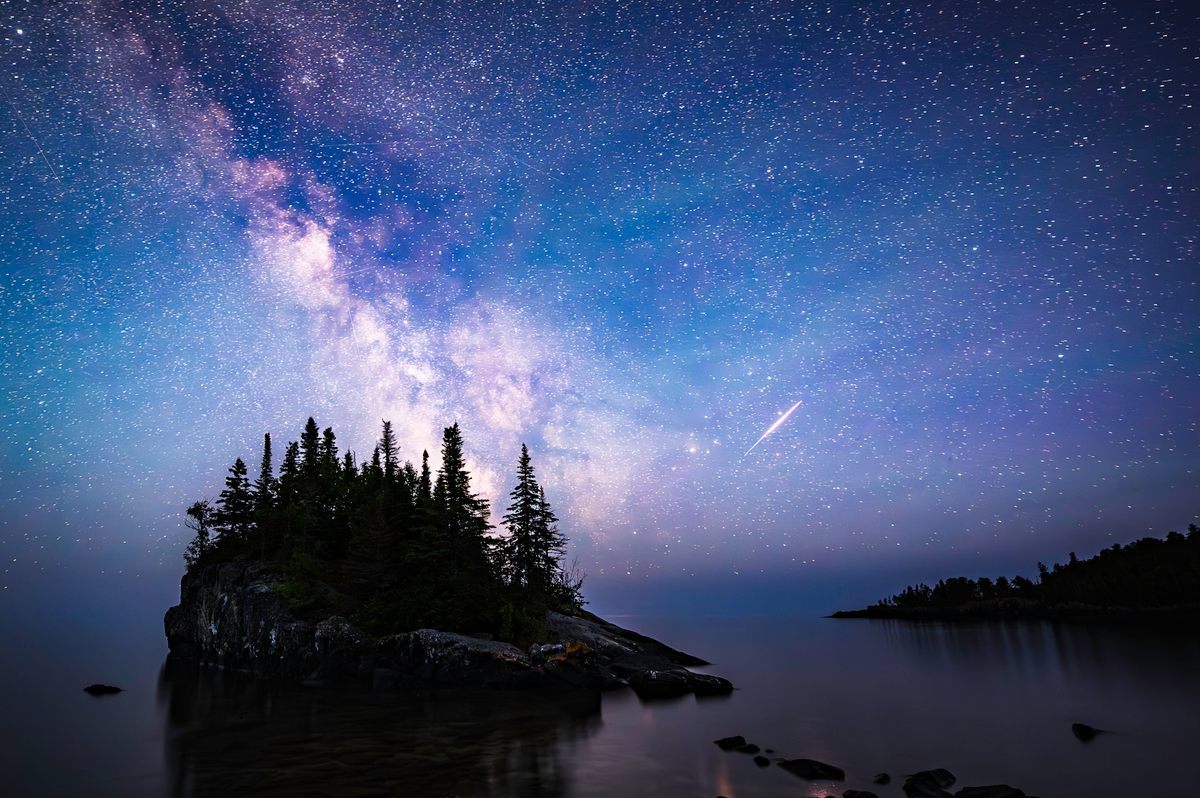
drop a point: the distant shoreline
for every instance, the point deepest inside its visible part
(1017, 610)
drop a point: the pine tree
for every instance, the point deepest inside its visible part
(310, 449)
(264, 486)
(464, 514)
(328, 460)
(424, 484)
(289, 475)
(389, 450)
(235, 507)
(520, 560)
(549, 544)
(199, 520)
(264, 496)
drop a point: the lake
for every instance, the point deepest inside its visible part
(991, 703)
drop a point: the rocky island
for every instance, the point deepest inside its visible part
(233, 616)
(384, 575)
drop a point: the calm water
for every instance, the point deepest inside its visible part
(990, 703)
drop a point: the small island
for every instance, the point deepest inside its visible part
(1151, 578)
(386, 573)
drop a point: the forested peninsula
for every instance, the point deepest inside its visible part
(386, 571)
(1147, 579)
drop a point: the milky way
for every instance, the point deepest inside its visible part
(628, 235)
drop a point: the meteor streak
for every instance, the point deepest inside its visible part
(774, 426)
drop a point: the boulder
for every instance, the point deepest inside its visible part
(748, 748)
(1084, 732)
(654, 684)
(101, 689)
(812, 770)
(929, 784)
(730, 743)
(859, 794)
(761, 761)
(882, 778)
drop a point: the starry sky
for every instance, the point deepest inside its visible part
(961, 235)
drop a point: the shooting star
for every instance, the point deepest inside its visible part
(774, 426)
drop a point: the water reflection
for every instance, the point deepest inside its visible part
(233, 734)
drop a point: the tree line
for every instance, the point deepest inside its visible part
(1148, 573)
(390, 545)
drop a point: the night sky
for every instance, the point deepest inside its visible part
(962, 236)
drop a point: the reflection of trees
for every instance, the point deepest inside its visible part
(1043, 649)
(234, 734)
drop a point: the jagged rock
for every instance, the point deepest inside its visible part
(748, 748)
(761, 761)
(929, 784)
(730, 743)
(102, 689)
(812, 770)
(882, 778)
(1084, 732)
(859, 794)
(233, 616)
(991, 791)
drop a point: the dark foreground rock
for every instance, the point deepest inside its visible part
(991, 791)
(730, 743)
(1084, 732)
(102, 689)
(859, 794)
(232, 616)
(812, 769)
(929, 784)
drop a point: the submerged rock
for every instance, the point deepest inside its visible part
(102, 689)
(991, 791)
(232, 616)
(812, 770)
(1084, 732)
(929, 784)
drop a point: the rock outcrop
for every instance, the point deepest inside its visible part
(232, 616)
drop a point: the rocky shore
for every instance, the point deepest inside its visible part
(232, 616)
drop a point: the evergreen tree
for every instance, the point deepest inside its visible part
(389, 451)
(520, 549)
(235, 506)
(310, 449)
(289, 475)
(328, 459)
(199, 520)
(424, 484)
(464, 514)
(264, 496)
(264, 486)
(550, 546)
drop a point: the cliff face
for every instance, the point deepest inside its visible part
(232, 616)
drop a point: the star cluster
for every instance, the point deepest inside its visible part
(962, 234)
